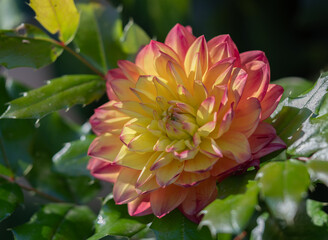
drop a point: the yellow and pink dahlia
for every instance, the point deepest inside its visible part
(185, 115)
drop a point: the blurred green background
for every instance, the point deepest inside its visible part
(293, 33)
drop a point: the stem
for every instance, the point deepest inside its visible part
(5, 158)
(31, 189)
(241, 236)
(79, 57)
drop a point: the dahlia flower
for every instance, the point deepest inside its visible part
(185, 115)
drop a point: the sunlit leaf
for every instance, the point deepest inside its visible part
(114, 220)
(318, 169)
(57, 16)
(231, 215)
(282, 186)
(72, 159)
(27, 46)
(314, 138)
(10, 196)
(175, 226)
(57, 221)
(293, 86)
(315, 211)
(292, 112)
(63, 92)
(134, 37)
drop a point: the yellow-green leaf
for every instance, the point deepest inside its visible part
(57, 16)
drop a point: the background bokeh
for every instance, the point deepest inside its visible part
(293, 33)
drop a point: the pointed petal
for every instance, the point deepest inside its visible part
(124, 190)
(131, 159)
(140, 206)
(262, 136)
(226, 120)
(144, 142)
(164, 200)
(122, 89)
(219, 73)
(107, 119)
(200, 163)
(189, 179)
(163, 159)
(223, 165)
(237, 85)
(222, 47)
(103, 170)
(169, 173)
(146, 57)
(111, 75)
(275, 145)
(247, 116)
(234, 145)
(146, 174)
(199, 197)
(205, 110)
(180, 39)
(271, 100)
(105, 147)
(196, 61)
(257, 67)
(209, 148)
(130, 70)
(133, 109)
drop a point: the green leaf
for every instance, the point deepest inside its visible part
(293, 86)
(57, 16)
(57, 221)
(72, 159)
(175, 226)
(6, 171)
(134, 37)
(10, 196)
(114, 220)
(282, 186)
(314, 210)
(231, 214)
(269, 228)
(27, 46)
(97, 38)
(15, 134)
(312, 98)
(63, 92)
(318, 169)
(292, 112)
(50, 136)
(234, 184)
(314, 138)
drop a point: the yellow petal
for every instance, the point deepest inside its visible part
(144, 142)
(164, 200)
(124, 190)
(105, 147)
(200, 163)
(234, 145)
(189, 179)
(167, 174)
(131, 159)
(196, 61)
(247, 116)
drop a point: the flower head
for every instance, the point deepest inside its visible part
(186, 114)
